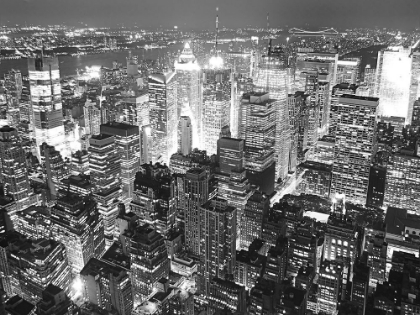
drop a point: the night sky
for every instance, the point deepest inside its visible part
(199, 14)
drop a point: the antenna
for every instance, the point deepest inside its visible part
(217, 31)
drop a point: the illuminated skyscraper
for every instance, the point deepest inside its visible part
(127, 141)
(258, 129)
(393, 81)
(415, 80)
(189, 91)
(14, 175)
(75, 222)
(46, 105)
(369, 79)
(92, 116)
(163, 115)
(329, 286)
(185, 135)
(355, 146)
(216, 106)
(105, 171)
(272, 77)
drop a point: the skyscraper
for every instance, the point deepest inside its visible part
(258, 129)
(46, 105)
(92, 115)
(355, 146)
(218, 250)
(393, 81)
(163, 115)
(127, 140)
(272, 77)
(185, 135)
(76, 223)
(107, 286)
(14, 175)
(105, 170)
(196, 190)
(216, 106)
(414, 83)
(149, 260)
(189, 91)
(402, 184)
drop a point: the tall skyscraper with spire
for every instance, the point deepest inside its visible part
(189, 91)
(46, 106)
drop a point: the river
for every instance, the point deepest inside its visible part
(69, 64)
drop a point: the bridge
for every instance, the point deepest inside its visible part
(329, 32)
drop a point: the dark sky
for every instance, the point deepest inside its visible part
(199, 14)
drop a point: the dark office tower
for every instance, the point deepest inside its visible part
(75, 222)
(14, 175)
(218, 250)
(272, 77)
(355, 146)
(415, 120)
(105, 170)
(402, 189)
(226, 296)
(376, 190)
(185, 135)
(154, 200)
(163, 115)
(46, 106)
(107, 286)
(329, 286)
(303, 249)
(231, 175)
(127, 140)
(149, 261)
(258, 129)
(34, 264)
(196, 192)
(54, 167)
(275, 267)
(360, 287)
(255, 210)
(216, 106)
(298, 120)
(377, 251)
(54, 302)
(189, 93)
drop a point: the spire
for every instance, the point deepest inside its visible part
(217, 32)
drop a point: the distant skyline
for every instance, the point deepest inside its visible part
(199, 14)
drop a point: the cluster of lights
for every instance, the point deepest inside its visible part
(216, 62)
